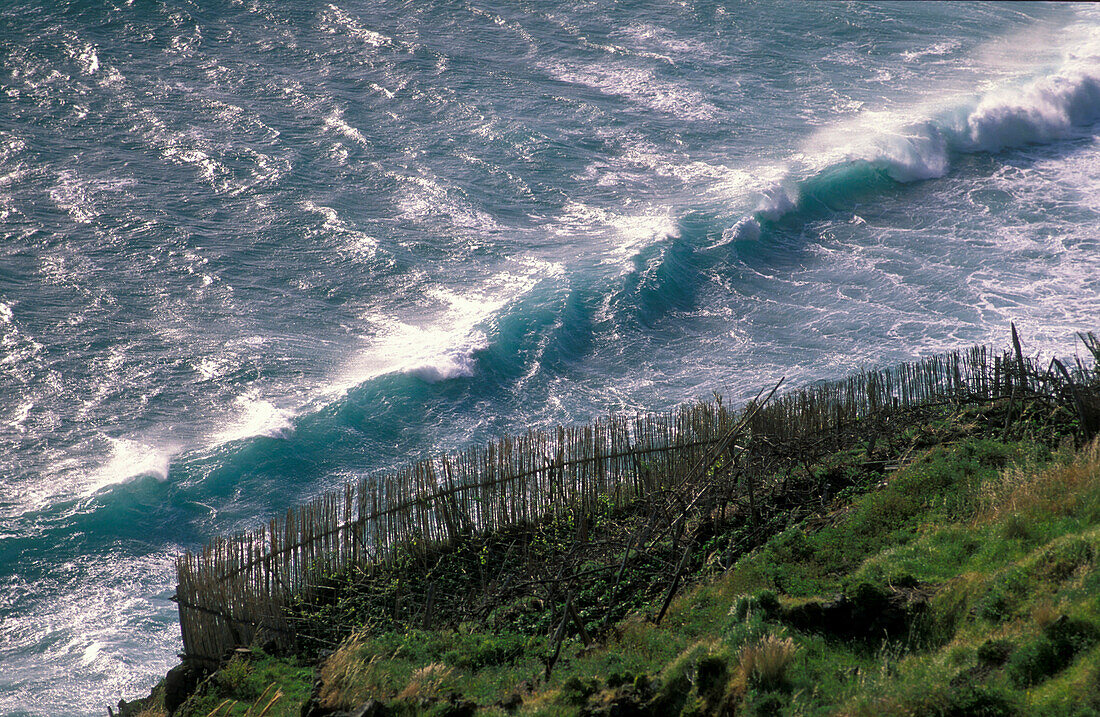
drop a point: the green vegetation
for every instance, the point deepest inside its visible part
(942, 561)
(250, 684)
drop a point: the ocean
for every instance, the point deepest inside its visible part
(253, 249)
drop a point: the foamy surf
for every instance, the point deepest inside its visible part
(129, 460)
(1044, 109)
(444, 341)
(255, 417)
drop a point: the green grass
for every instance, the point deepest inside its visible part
(249, 683)
(998, 542)
(964, 583)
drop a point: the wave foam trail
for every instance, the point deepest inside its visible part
(444, 344)
(844, 160)
(256, 417)
(129, 460)
(434, 353)
(633, 232)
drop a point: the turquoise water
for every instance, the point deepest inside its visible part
(254, 249)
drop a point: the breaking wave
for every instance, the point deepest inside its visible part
(876, 151)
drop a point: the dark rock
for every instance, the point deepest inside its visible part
(313, 707)
(371, 708)
(180, 683)
(458, 707)
(132, 708)
(867, 612)
(512, 702)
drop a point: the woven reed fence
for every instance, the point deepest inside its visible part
(236, 589)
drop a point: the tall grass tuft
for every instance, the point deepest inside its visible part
(427, 681)
(764, 663)
(351, 675)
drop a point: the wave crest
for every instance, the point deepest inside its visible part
(1045, 110)
(846, 161)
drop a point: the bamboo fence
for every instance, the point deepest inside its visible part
(237, 589)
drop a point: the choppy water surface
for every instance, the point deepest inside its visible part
(253, 249)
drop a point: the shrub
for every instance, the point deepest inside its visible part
(1034, 662)
(1064, 558)
(1051, 652)
(1072, 636)
(676, 679)
(1000, 603)
(764, 704)
(236, 678)
(576, 691)
(995, 652)
(979, 701)
(487, 650)
(765, 602)
(710, 674)
(1016, 527)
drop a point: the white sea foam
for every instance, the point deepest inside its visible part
(774, 203)
(71, 194)
(91, 652)
(335, 122)
(944, 47)
(352, 240)
(917, 144)
(91, 619)
(746, 229)
(337, 21)
(256, 416)
(498, 20)
(210, 368)
(631, 231)
(639, 85)
(10, 145)
(443, 342)
(89, 60)
(640, 160)
(209, 156)
(129, 459)
(668, 41)
(1047, 109)
(20, 414)
(424, 197)
(433, 352)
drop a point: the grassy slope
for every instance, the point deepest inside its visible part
(965, 583)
